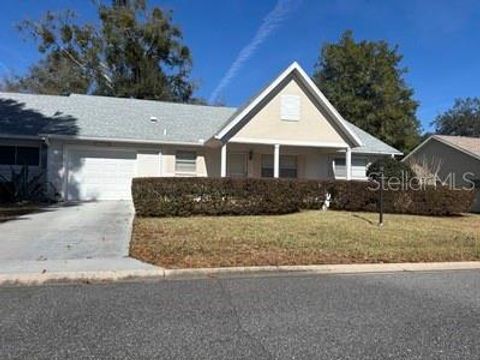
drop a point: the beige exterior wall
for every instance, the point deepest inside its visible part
(148, 163)
(452, 161)
(313, 126)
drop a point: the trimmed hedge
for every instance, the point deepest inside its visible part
(213, 196)
(159, 197)
(362, 196)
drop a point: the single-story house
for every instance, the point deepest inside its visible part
(92, 146)
(455, 160)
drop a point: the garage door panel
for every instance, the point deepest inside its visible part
(100, 174)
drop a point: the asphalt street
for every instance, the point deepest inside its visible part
(382, 316)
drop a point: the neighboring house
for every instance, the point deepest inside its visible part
(93, 146)
(454, 159)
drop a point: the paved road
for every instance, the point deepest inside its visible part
(78, 231)
(395, 316)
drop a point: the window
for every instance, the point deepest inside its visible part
(186, 162)
(340, 168)
(19, 155)
(7, 155)
(288, 166)
(359, 168)
(237, 165)
(267, 165)
(290, 107)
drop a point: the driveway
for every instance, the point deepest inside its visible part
(69, 232)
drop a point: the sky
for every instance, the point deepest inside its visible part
(238, 46)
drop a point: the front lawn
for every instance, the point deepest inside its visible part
(309, 237)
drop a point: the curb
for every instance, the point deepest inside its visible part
(81, 276)
(321, 269)
(172, 274)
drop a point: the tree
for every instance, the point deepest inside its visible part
(53, 75)
(134, 51)
(463, 119)
(392, 168)
(364, 81)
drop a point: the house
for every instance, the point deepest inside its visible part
(92, 146)
(455, 160)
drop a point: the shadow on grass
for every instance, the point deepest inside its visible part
(364, 219)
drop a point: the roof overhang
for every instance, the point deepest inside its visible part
(296, 69)
(21, 137)
(121, 140)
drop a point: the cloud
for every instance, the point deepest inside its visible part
(270, 23)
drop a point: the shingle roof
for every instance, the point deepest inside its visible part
(128, 119)
(109, 117)
(468, 144)
(370, 143)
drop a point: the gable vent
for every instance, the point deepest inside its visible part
(290, 107)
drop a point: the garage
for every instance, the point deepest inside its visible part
(100, 174)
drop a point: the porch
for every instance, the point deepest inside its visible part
(290, 161)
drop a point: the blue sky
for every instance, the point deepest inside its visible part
(440, 41)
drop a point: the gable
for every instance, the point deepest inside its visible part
(242, 116)
(449, 160)
(290, 114)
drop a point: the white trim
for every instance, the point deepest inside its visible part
(123, 140)
(443, 141)
(276, 160)
(348, 163)
(223, 161)
(375, 152)
(261, 141)
(303, 76)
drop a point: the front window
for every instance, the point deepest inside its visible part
(19, 155)
(288, 166)
(340, 168)
(186, 162)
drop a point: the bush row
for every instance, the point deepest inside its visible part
(214, 196)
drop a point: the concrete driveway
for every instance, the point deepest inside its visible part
(69, 232)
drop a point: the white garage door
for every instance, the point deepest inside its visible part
(100, 174)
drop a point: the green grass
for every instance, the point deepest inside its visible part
(310, 237)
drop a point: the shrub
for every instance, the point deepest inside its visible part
(391, 169)
(209, 196)
(21, 186)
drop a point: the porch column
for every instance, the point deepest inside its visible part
(276, 161)
(223, 161)
(348, 163)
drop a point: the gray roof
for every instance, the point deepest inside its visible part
(370, 144)
(127, 119)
